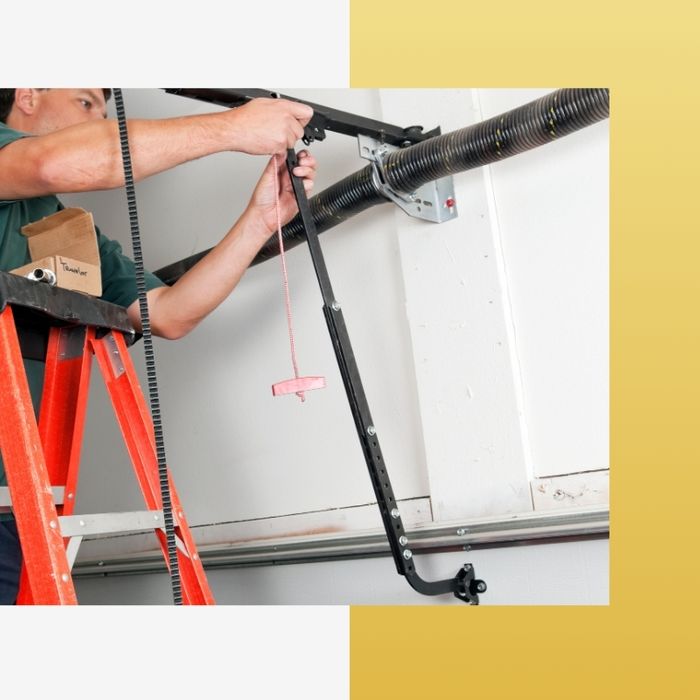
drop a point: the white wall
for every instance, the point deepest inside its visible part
(482, 344)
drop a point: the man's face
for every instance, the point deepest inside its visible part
(58, 108)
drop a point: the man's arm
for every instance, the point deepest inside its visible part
(175, 311)
(87, 156)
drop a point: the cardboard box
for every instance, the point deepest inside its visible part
(66, 244)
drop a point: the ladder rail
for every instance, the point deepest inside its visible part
(45, 560)
(42, 458)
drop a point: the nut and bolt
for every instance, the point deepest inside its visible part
(481, 587)
(403, 540)
(407, 553)
(395, 513)
(335, 306)
(371, 430)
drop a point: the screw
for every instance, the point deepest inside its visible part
(70, 495)
(371, 430)
(65, 577)
(462, 531)
(407, 553)
(395, 513)
(403, 540)
(53, 524)
(467, 548)
(335, 306)
(467, 567)
(449, 202)
(82, 523)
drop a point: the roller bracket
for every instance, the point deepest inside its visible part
(468, 587)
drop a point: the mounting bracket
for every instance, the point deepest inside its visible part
(434, 201)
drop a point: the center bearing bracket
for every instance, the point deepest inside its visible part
(434, 201)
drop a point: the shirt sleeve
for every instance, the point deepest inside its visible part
(118, 270)
(7, 136)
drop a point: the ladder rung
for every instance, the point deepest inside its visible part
(110, 523)
(6, 501)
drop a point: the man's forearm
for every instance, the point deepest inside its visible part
(88, 157)
(175, 311)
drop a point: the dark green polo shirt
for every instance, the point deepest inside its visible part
(118, 275)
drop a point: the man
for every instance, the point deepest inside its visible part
(59, 140)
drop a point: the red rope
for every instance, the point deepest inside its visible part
(285, 279)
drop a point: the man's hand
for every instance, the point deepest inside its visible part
(266, 126)
(176, 310)
(262, 203)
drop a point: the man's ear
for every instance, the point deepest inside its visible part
(26, 100)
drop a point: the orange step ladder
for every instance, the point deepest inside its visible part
(42, 459)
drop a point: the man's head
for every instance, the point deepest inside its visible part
(42, 110)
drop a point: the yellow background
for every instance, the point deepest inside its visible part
(645, 644)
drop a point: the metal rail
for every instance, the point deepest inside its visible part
(530, 528)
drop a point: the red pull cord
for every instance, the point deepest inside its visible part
(298, 385)
(285, 276)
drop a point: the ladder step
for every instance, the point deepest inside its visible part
(110, 523)
(95, 523)
(6, 501)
